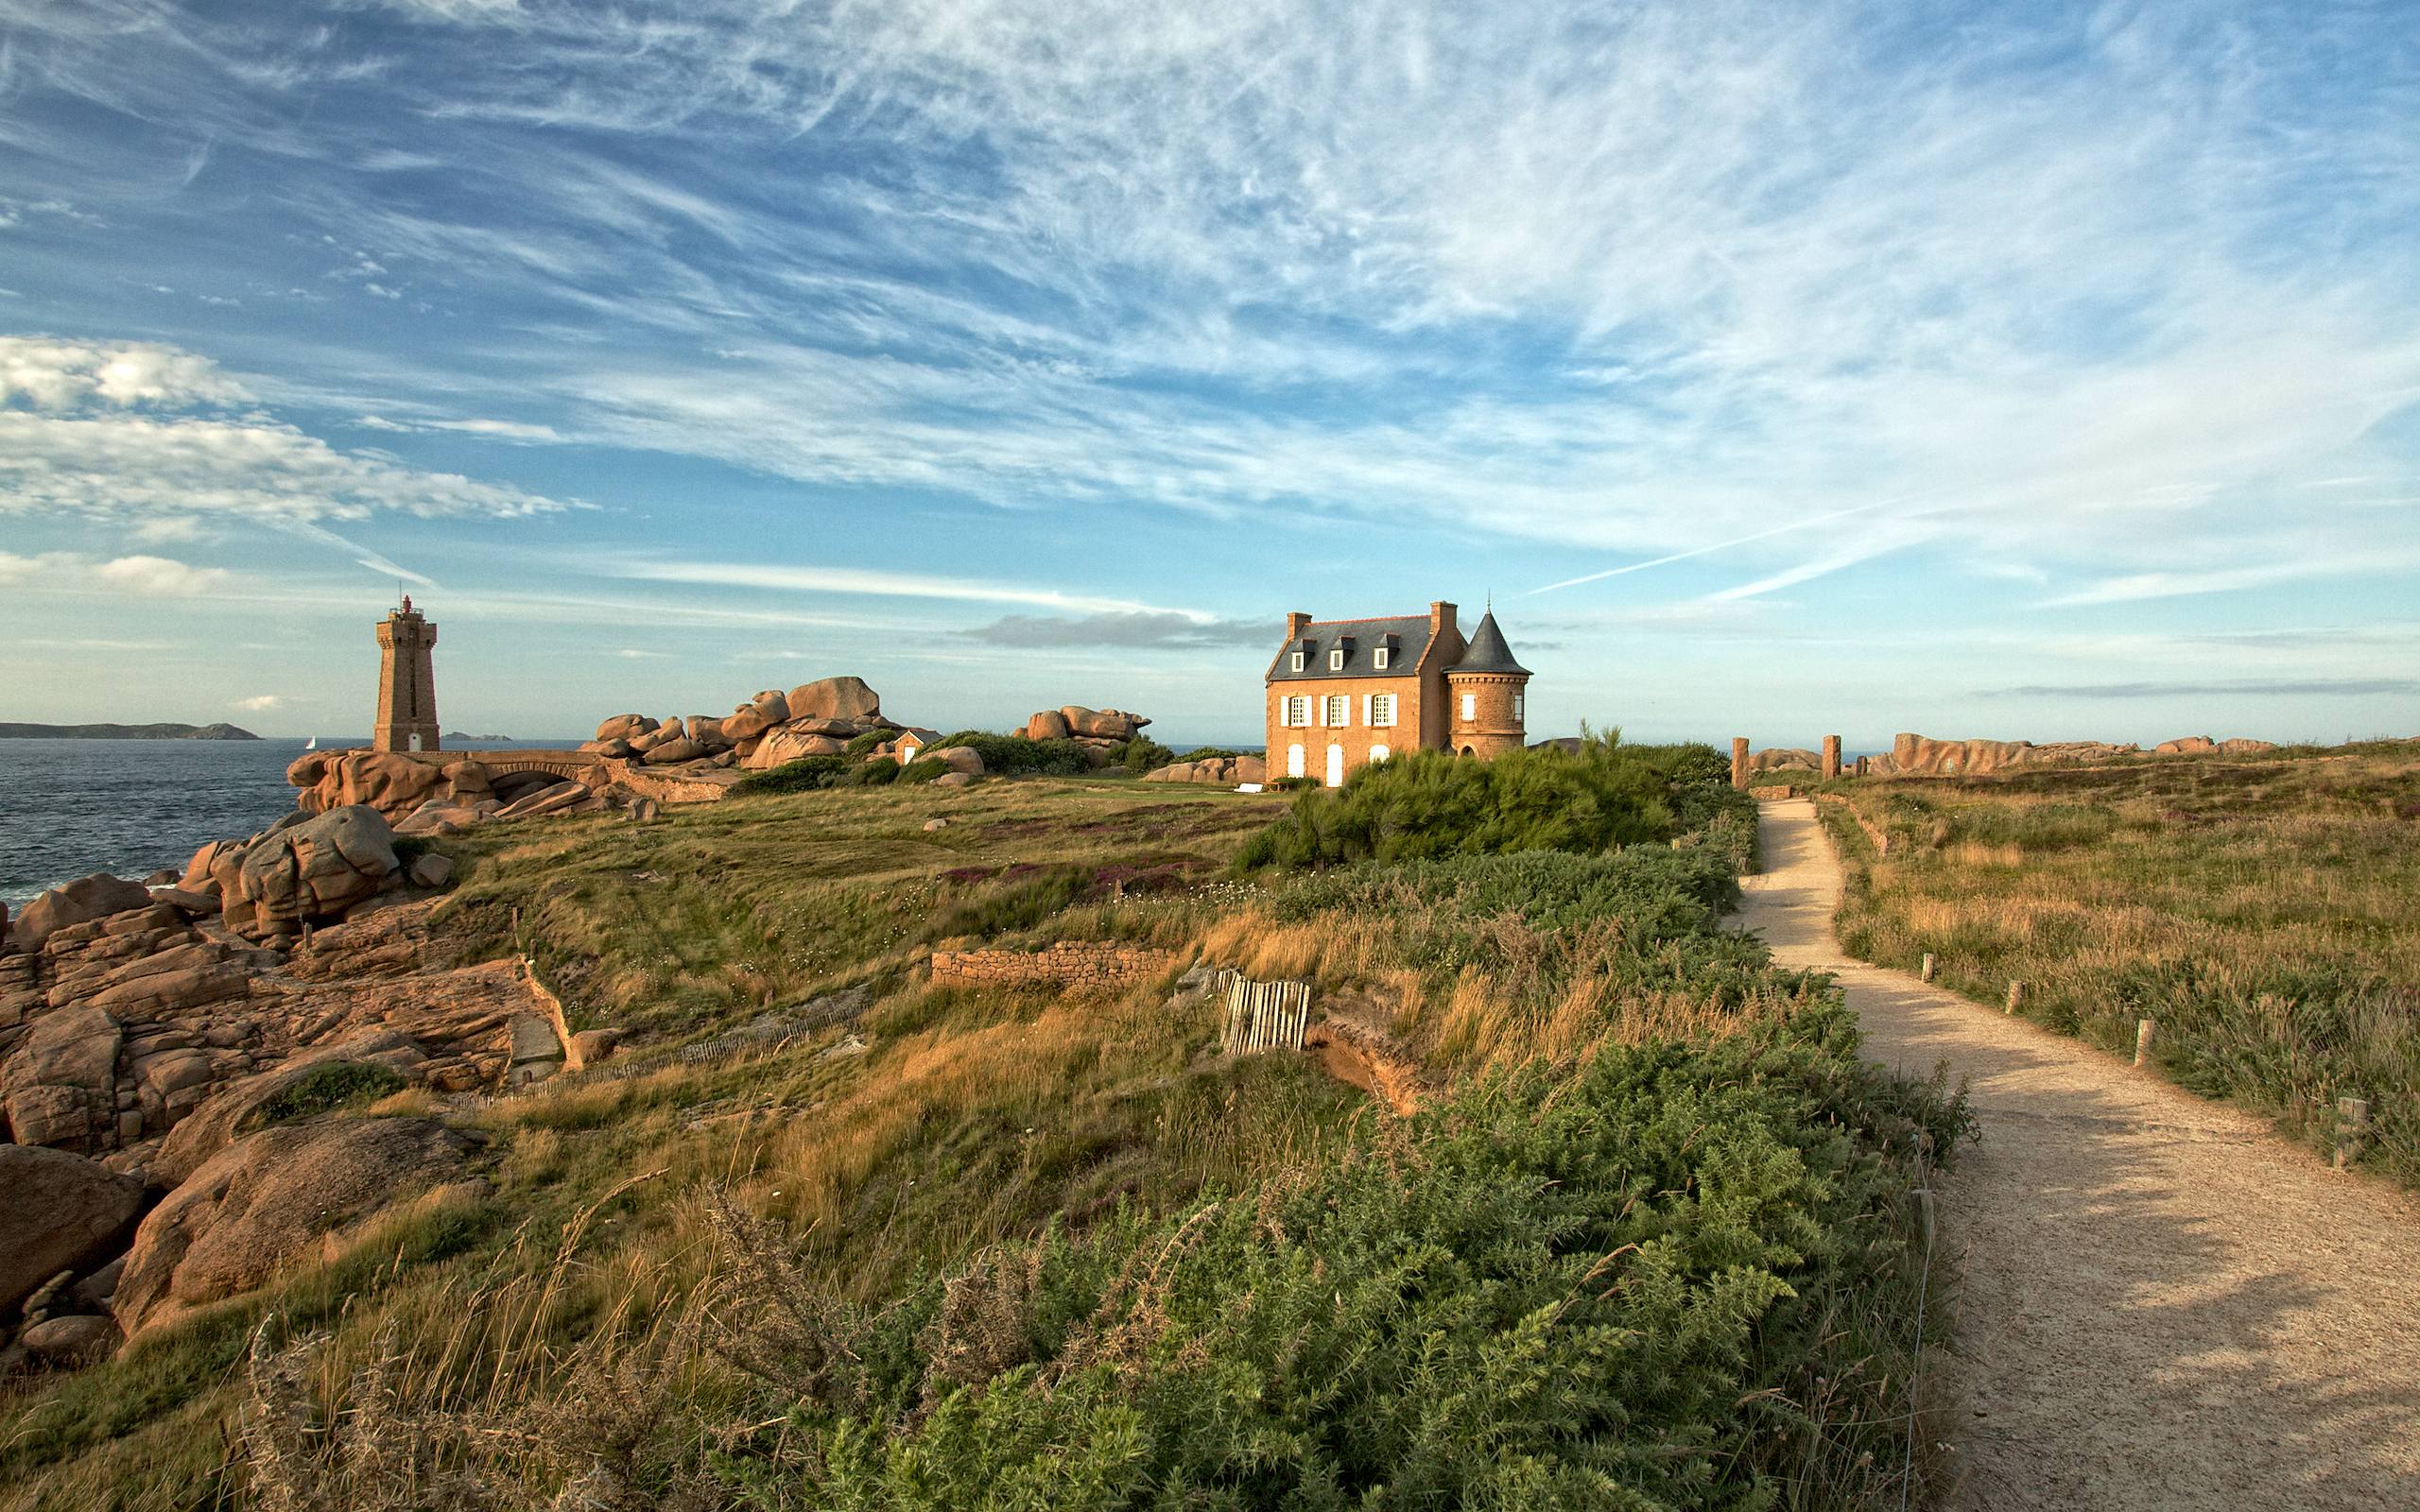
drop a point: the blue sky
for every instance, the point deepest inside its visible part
(1780, 367)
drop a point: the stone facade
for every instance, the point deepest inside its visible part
(407, 717)
(1332, 708)
(1494, 723)
(1067, 965)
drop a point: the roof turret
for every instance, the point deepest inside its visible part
(1487, 652)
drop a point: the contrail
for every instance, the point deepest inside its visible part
(1719, 545)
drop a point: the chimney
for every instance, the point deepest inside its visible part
(1294, 625)
(1441, 620)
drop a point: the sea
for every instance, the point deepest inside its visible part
(69, 808)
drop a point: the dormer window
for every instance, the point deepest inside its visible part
(1378, 659)
(1336, 659)
(1298, 661)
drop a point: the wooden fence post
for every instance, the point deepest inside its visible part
(1929, 967)
(2352, 1129)
(2143, 1040)
(2015, 997)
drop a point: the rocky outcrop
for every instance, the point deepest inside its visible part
(759, 715)
(2204, 745)
(1778, 757)
(270, 1198)
(1226, 771)
(60, 1213)
(71, 1340)
(79, 902)
(306, 873)
(790, 743)
(245, 1102)
(1101, 724)
(1048, 724)
(836, 698)
(1914, 755)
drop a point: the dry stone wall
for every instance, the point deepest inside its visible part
(1068, 966)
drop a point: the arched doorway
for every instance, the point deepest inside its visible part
(1293, 761)
(1380, 753)
(1335, 766)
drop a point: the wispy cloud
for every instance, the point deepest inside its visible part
(112, 432)
(877, 583)
(2234, 688)
(1124, 631)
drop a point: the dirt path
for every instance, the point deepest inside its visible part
(2164, 1305)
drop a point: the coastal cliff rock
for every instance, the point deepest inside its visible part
(62, 1213)
(79, 902)
(268, 1199)
(1777, 757)
(392, 784)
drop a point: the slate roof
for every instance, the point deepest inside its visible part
(1319, 638)
(1487, 651)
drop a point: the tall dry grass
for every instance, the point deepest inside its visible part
(2266, 914)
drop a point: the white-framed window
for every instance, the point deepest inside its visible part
(1293, 761)
(1339, 710)
(1298, 661)
(1297, 710)
(1519, 701)
(1380, 753)
(1336, 659)
(1380, 656)
(1470, 706)
(1382, 710)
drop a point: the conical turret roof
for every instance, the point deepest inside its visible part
(1487, 651)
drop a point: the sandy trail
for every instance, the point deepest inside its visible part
(2164, 1305)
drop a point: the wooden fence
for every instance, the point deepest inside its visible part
(1265, 1015)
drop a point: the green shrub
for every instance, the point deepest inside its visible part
(806, 775)
(923, 769)
(1141, 754)
(1434, 804)
(1016, 756)
(874, 772)
(338, 1084)
(1648, 1283)
(860, 744)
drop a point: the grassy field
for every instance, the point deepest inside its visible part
(2265, 911)
(1647, 1243)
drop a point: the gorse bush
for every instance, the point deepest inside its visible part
(1016, 756)
(1431, 803)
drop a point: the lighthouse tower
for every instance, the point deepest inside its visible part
(406, 718)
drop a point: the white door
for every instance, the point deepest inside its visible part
(1335, 766)
(1293, 761)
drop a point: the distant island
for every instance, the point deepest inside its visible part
(458, 737)
(124, 733)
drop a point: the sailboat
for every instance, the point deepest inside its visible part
(312, 744)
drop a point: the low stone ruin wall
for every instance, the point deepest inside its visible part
(1875, 834)
(1070, 965)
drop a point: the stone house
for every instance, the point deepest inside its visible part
(1342, 694)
